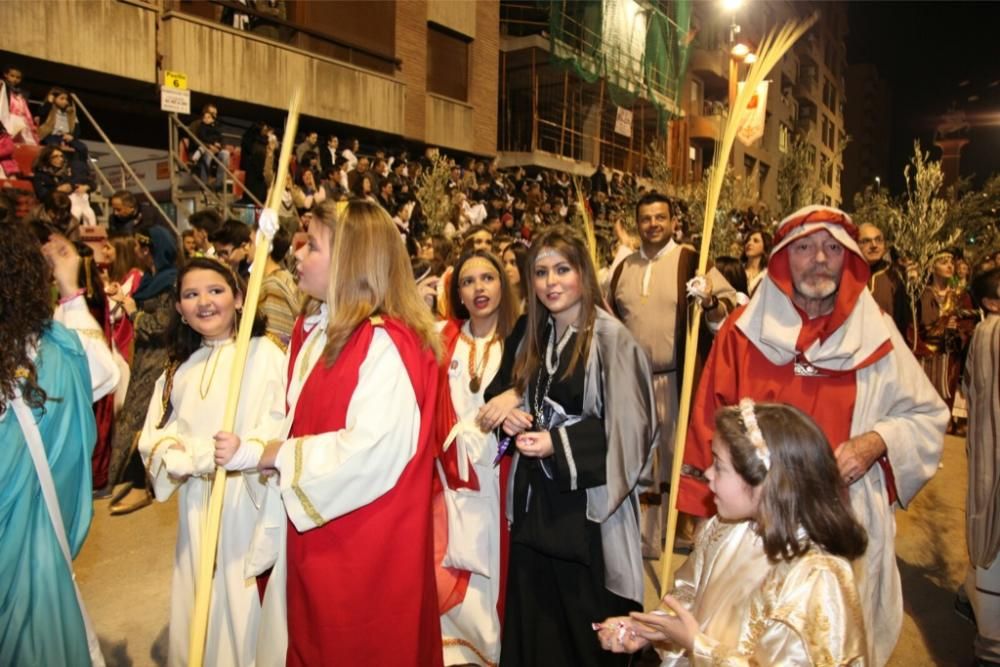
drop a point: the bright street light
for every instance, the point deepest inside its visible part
(731, 5)
(740, 51)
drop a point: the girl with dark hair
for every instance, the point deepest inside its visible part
(755, 252)
(124, 276)
(773, 567)
(472, 556)
(732, 269)
(583, 438)
(178, 447)
(306, 192)
(51, 172)
(514, 264)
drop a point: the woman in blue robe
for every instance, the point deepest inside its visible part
(40, 618)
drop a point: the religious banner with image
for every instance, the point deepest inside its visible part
(754, 116)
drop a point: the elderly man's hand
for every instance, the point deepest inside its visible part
(857, 455)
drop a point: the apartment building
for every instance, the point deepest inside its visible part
(588, 84)
(806, 95)
(866, 159)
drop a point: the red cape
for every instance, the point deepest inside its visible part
(361, 587)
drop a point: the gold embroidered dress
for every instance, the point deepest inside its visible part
(755, 612)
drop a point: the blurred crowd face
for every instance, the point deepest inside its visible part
(13, 78)
(754, 246)
(962, 269)
(426, 250)
(872, 243)
(944, 267)
(656, 226)
(510, 268)
(200, 237)
(120, 208)
(482, 240)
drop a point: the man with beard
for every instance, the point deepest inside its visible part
(813, 337)
(647, 293)
(886, 285)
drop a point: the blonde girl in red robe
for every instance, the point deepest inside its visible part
(356, 573)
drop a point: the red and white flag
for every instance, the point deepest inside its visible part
(754, 116)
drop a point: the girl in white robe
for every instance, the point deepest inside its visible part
(483, 313)
(770, 581)
(178, 447)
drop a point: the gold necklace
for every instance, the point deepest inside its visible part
(476, 372)
(202, 389)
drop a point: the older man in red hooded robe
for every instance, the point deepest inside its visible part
(812, 336)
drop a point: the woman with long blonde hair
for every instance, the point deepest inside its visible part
(583, 438)
(357, 571)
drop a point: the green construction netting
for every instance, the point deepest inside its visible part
(636, 48)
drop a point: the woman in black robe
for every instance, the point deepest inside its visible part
(583, 440)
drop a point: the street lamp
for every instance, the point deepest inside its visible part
(739, 53)
(878, 185)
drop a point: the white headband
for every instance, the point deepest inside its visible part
(756, 438)
(547, 252)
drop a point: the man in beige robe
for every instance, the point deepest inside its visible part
(647, 293)
(982, 387)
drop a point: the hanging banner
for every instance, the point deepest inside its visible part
(623, 122)
(754, 116)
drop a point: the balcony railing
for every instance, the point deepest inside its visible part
(305, 37)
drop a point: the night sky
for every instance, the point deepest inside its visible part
(933, 55)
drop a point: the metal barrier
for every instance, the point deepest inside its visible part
(124, 163)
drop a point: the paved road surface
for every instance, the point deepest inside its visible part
(125, 567)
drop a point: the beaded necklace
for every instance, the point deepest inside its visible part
(551, 368)
(476, 371)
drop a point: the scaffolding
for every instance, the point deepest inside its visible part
(605, 87)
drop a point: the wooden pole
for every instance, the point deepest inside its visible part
(534, 103)
(772, 49)
(565, 105)
(210, 536)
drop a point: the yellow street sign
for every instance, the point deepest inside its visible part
(177, 80)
